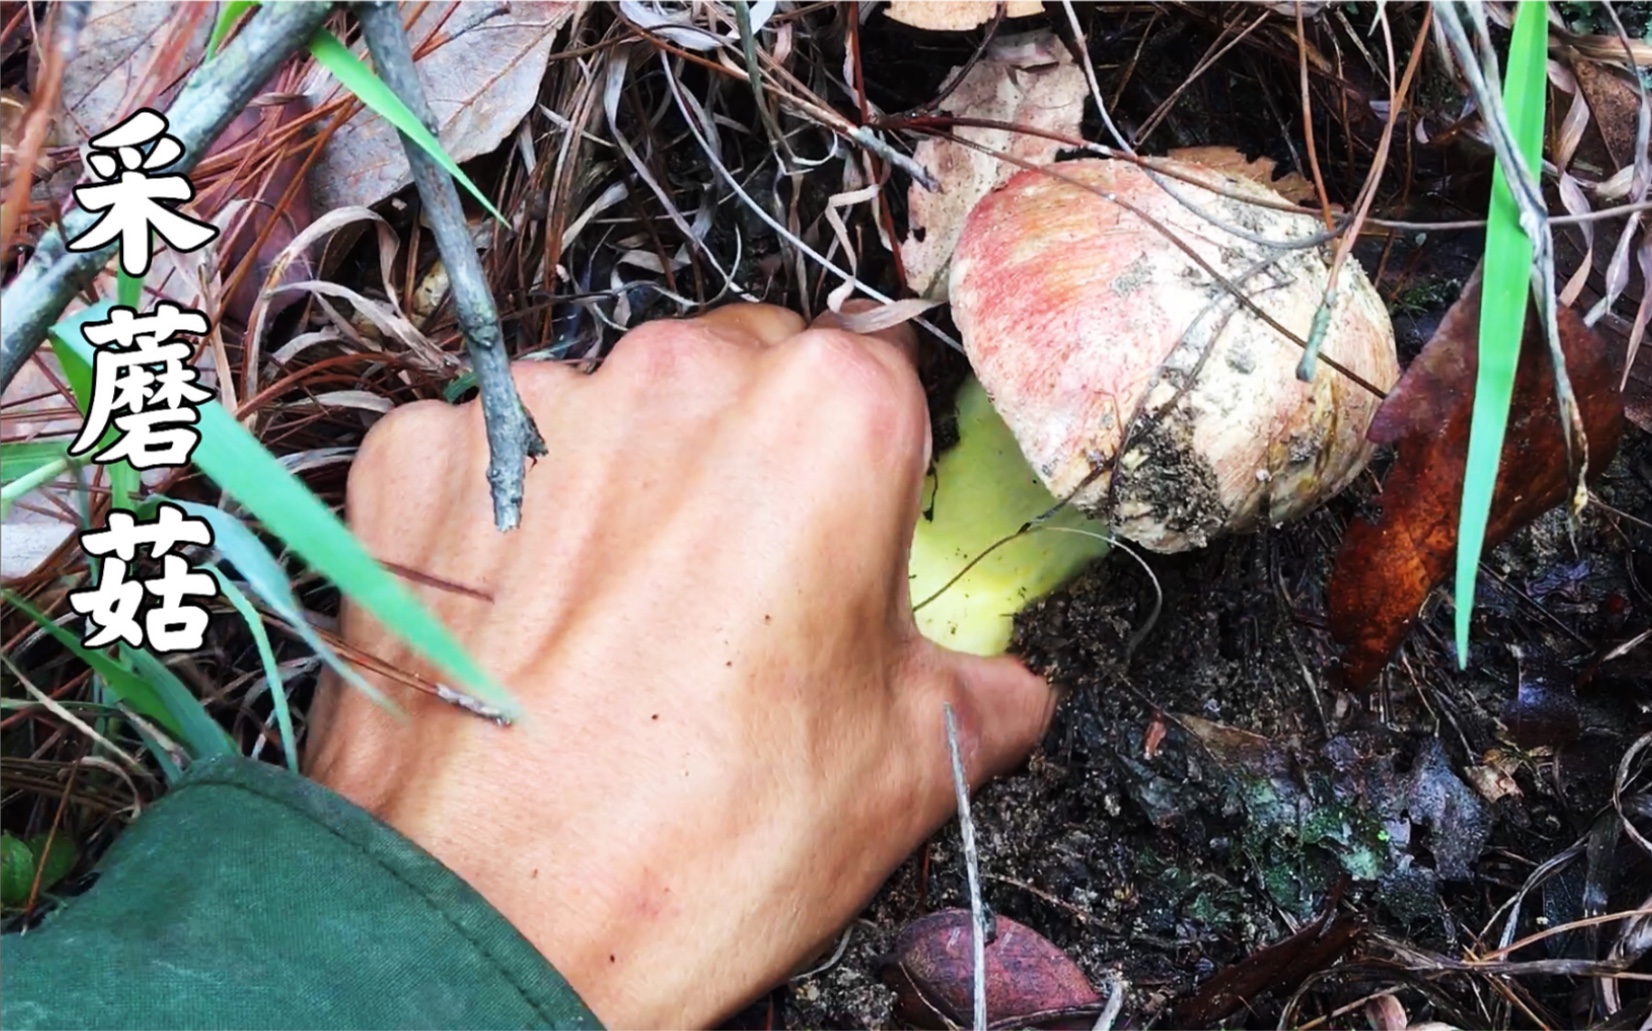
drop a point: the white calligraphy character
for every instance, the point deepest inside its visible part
(112, 605)
(142, 375)
(133, 199)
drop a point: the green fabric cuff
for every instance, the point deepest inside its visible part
(251, 897)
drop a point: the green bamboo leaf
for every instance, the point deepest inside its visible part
(27, 465)
(228, 15)
(371, 91)
(74, 355)
(157, 695)
(129, 288)
(266, 577)
(203, 737)
(25, 457)
(266, 656)
(1505, 292)
(288, 509)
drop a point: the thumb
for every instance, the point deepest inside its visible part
(1001, 709)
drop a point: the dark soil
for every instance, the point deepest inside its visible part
(1143, 848)
(1212, 790)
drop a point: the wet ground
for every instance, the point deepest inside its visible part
(1210, 792)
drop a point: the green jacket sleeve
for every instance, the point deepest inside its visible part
(251, 897)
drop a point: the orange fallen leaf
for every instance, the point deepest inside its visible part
(1230, 161)
(1385, 569)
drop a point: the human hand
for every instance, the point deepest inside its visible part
(733, 730)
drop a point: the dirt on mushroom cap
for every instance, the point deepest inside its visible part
(1135, 381)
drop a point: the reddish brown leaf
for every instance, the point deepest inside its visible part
(1277, 968)
(1030, 982)
(1385, 570)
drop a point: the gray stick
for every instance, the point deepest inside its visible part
(972, 867)
(512, 436)
(214, 94)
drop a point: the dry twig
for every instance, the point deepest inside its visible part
(214, 94)
(512, 436)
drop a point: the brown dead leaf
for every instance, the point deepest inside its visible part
(260, 181)
(1229, 161)
(1276, 968)
(481, 72)
(1035, 85)
(956, 15)
(131, 53)
(1637, 393)
(1492, 783)
(1385, 570)
(1030, 982)
(1614, 104)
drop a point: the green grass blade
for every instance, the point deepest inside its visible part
(74, 355)
(266, 656)
(201, 734)
(227, 17)
(251, 475)
(28, 481)
(124, 484)
(27, 457)
(129, 288)
(371, 91)
(153, 692)
(265, 576)
(1505, 291)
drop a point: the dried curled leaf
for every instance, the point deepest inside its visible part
(1036, 86)
(1030, 982)
(1385, 569)
(1231, 161)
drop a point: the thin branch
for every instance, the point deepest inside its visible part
(512, 436)
(1308, 120)
(214, 94)
(754, 72)
(972, 868)
(1116, 987)
(1090, 78)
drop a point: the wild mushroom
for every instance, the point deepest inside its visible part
(1142, 391)
(972, 567)
(1138, 385)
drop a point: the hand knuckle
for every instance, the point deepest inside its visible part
(541, 383)
(661, 352)
(881, 397)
